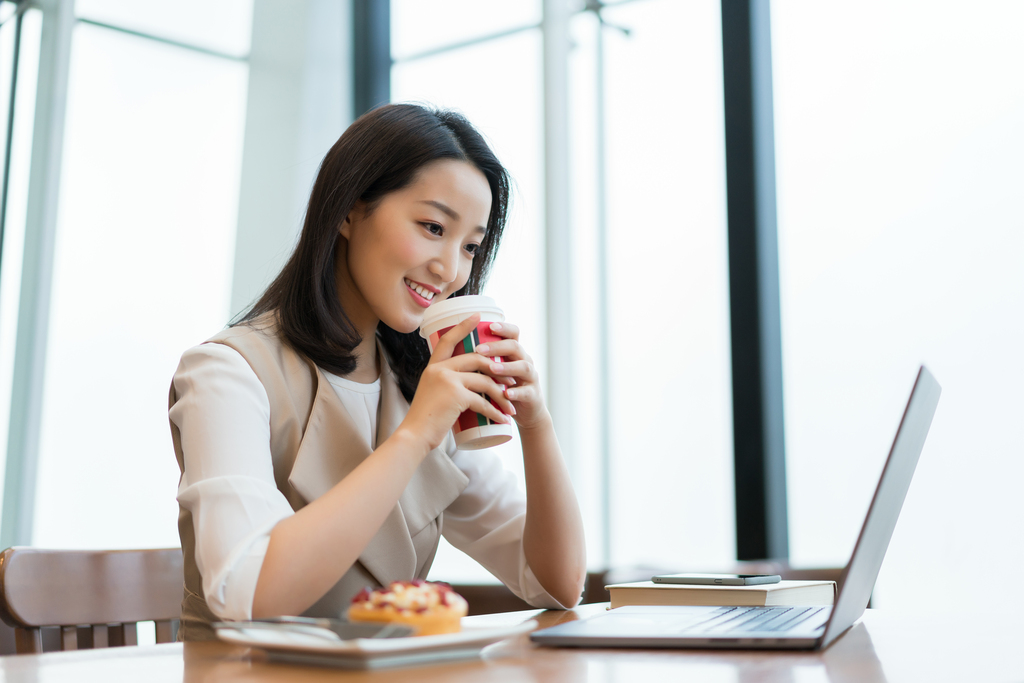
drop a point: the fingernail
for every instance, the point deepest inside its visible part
(510, 394)
(495, 326)
(497, 367)
(483, 349)
(512, 408)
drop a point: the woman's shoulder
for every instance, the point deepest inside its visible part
(215, 370)
(248, 357)
(255, 344)
(260, 343)
(263, 330)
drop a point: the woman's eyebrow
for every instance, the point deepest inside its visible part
(443, 208)
(450, 212)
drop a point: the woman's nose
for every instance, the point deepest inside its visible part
(446, 264)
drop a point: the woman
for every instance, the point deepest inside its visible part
(314, 436)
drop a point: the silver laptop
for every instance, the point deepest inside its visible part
(802, 628)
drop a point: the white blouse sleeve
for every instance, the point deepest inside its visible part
(223, 415)
(486, 522)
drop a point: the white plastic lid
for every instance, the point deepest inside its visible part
(452, 311)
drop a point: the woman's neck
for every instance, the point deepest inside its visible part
(359, 314)
(367, 361)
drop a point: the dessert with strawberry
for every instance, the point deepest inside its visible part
(431, 608)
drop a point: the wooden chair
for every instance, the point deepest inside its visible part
(95, 597)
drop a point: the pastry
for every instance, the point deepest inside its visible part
(430, 608)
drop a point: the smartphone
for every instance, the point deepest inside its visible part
(718, 579)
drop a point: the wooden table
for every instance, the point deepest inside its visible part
(881, 647)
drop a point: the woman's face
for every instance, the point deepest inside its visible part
(415, 248)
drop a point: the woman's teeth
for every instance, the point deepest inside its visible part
(425, 293)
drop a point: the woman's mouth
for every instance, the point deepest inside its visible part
(420, 294)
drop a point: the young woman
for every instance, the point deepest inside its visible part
(314, 436)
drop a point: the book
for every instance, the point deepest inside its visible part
(786, 593)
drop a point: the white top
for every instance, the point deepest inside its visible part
(223, 415)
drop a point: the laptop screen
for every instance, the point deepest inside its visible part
(862, 570)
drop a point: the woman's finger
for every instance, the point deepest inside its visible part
(482, 406)
(507, 330)
(480, 384)
(521, 369)
(468, 362)
(506, 348)
(446, 344)
(521, 394)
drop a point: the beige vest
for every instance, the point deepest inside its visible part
(314, 445)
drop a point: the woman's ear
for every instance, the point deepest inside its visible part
(353, 216)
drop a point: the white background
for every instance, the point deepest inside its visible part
(901, 237)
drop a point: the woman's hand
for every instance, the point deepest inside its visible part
(449, 386)
(518, 373)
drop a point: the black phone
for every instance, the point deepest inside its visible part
(718, 579)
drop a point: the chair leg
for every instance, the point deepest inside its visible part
(85, 637)
(164, 632)
(28, 640)
(99, 636)
(68, 637)
(119, 635)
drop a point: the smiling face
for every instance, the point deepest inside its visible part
(414, 248)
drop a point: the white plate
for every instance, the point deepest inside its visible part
(372, 653)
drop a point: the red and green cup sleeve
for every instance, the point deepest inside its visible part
(481, 335)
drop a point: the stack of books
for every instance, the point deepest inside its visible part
(785, 593)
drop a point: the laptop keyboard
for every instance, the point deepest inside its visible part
(760, 619)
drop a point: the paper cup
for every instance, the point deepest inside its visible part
(472, 431)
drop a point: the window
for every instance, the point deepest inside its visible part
(900, 238)
(14, 181)
(142, 270)
(670, 494)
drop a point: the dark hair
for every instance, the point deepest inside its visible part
(380, 153)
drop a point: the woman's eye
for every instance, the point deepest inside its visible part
(433, 228)
(472, 248)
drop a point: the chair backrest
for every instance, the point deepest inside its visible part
(96, 597)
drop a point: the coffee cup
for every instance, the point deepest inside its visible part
(472, 431)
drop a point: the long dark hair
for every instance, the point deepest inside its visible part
(378, 154)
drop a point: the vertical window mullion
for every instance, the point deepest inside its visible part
(760, 466)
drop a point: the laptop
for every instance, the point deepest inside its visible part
(793, 628)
